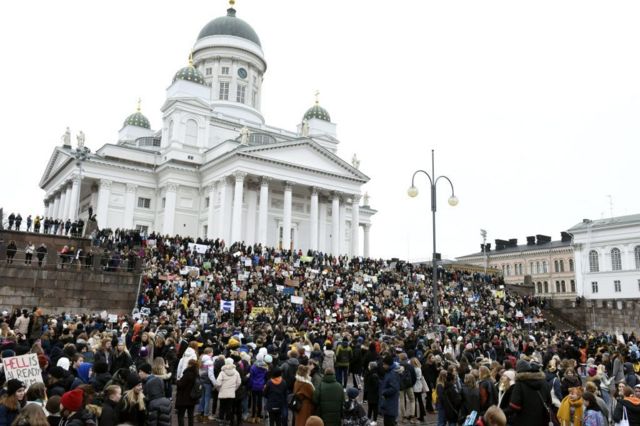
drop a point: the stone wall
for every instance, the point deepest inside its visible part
(54, 244)
(602, 315)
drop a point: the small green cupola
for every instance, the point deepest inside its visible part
(137, 119)
(190, 73)
(316, 111)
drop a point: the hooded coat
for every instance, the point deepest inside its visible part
(632, 406)
(228, 381)
(529, 392)
(258, 376)
(388, 404)
(328, 399)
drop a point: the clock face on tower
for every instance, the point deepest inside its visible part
(242, 73)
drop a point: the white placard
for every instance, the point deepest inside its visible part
(247, 262)
(228, 306)
(24, 368)
(198, 248)
(297, 300)
(113, 318)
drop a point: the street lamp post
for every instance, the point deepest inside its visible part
(453, 201)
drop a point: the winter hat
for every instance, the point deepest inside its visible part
(145, 368)
(53, 405)
(13, 386)
(8, 353)
(228, 361)
(511, 375)
(64, 363)
(522, 366)
(260, 357)
(72, 400)
(57, 372)
(268, 359)
(388, 360)
(277, 372)
(592, 371)
(132, 380)
(352, 393)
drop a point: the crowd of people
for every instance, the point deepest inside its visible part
(246, 333)
(49, 225)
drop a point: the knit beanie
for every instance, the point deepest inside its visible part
(13, 386)
(72, 400)
(352, 393)
(522, 366)
(64, 363)
(145, 368)
(132, 380)
(8, 353)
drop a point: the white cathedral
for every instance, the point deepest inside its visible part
(215, 169)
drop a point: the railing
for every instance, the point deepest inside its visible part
(57, 261)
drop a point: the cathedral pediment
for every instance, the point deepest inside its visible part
(57, 161)
(306, 154)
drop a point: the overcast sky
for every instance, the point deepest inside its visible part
(532, 107)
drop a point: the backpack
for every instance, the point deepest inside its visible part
(294, 402)
(197, 389)
(343, 354)
(408, 378)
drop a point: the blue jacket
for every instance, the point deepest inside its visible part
(7, 416)
(390, 393)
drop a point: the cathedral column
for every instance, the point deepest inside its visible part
(355, 225)
(344, 249)
(75, 198)
(335, 224)
(63, 202)
(222, 231)
(286, 216)
(252, 202)
(313, 220)
(56, 206)
(102, 209)
(236, 223)
(366, 229)
(67, 202)
(210, 213)
(129, 205)
(263, 211)
(322, 231)
(170, 197)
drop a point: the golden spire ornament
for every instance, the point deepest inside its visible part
(138, 107)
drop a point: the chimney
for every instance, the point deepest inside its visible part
(531, 241)
(543, 239)
(586, 221)
(513, 242)
(488, 247)
(565, 236)
(501, 244)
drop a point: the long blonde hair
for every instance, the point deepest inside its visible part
(131, 399)
(159, 368)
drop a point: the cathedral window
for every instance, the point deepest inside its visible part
(225, 70)
(207, 71)
(616, 261)
(240, 93)
(192, 132)
(144, 203)
(224, 91)
(593, 261)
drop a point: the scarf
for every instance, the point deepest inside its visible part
(564, 412)
(304, 380)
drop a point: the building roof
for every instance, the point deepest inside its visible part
(318, 112)
(189, 73)
(605, 223)
(230, 25)
(521, 248)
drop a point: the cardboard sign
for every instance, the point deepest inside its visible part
(24, 368)
(297, 300)
(255, 311)
(292, 282)
(198, 248)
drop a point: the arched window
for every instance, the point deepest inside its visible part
(593, 261)
(539, 287)
(557, 286)
(636, 255)
(561, 265)
(191, 137)
(570, 265)
(573, 286)
(616, 262)
(537, 267)
(544, 267)
(555, 266)
(563, 286)
(546, 287)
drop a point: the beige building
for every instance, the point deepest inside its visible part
(546, 264)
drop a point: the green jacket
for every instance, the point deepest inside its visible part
(343, 355)
(328, 399)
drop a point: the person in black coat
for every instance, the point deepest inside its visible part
(529, 396)
(110, 412)
(451, 399)
(372, 390)
(11, 251)
(184, 402)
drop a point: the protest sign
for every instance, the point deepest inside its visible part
(24, 368)
(198, 248)
(113, 318)
(228, 306)
(255, 311)
(297, 300)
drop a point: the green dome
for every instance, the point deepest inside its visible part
(230, 25)
(318, 112)
(137, 119)
(189, 73)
